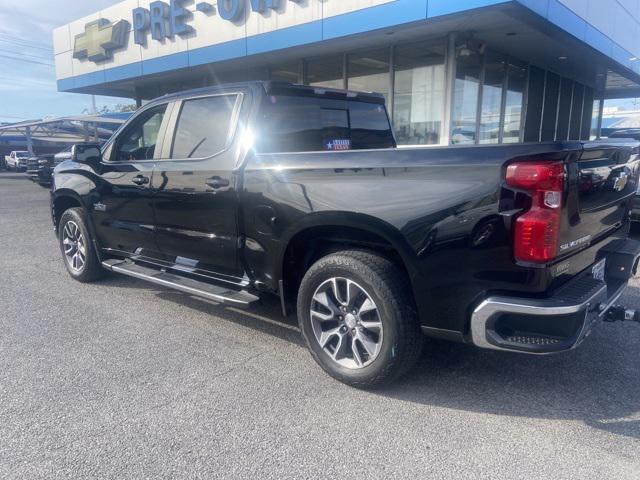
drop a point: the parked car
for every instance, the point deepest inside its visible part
(17, 160)
(40, 169)
(630, 133)
(633, 133)
(234, 192)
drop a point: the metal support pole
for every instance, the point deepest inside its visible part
(137, 96)
(450, 79)
(392, 83)
(345, 71)
(29, 141)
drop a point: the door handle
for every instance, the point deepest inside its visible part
(217, 182)
(140, 180)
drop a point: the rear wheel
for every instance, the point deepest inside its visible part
(358, 318)
(76, 245)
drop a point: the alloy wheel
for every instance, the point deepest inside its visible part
(75, 251)
(346, 323)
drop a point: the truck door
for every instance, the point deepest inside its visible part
(196, 200)
(122, 209)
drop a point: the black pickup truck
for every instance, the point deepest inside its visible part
(237, 191)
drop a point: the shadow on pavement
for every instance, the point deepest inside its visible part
(595, 384)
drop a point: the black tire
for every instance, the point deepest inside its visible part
(390, 290)
(91, 270)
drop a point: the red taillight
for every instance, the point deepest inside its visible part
(537, 230)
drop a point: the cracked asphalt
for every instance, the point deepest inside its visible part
(121, 379)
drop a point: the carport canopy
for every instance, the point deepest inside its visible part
(70, 129)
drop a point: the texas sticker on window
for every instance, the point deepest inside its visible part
(338, 144)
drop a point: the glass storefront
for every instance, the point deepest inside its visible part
(325, 72)
(419, 78)
(514, 101)
(369, 72)
(488, 92)
(493, 85)
(285, 72)
(464, 117)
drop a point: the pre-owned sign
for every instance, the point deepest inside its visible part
(164, 20)
(99, 39)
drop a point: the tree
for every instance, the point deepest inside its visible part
(118, 108)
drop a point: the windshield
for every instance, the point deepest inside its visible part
(22, 154)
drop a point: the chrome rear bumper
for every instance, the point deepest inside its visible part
(560, 322)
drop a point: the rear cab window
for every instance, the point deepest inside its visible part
(306, 123)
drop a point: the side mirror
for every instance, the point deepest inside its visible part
(86, 153)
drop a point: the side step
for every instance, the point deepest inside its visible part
(235, 298)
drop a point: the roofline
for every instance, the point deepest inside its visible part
(271, 87)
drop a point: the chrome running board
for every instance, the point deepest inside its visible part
(226, 296)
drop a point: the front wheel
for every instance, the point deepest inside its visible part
(358, 318)
(76, 245)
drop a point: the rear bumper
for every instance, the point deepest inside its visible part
(561, 321)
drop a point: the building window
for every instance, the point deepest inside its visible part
(535, 100)
(587, 108)
(419, 80)
(467, 88)
(564, 109)
(550, 114)
(285, 72)
(514, 100)
(576, 111)
(369, 72)
(325, 72)
(491, 110)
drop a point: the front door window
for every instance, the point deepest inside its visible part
(138, 140)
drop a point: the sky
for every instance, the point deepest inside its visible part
(27, 75)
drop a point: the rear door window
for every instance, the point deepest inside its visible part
(310, 123)
(204, 127)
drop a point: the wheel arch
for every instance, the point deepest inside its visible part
(61, 201)
(321, 234)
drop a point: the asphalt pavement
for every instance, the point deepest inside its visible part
(121, 379)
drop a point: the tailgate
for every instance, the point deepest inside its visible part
(602, 183)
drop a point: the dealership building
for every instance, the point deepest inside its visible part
(452, 71)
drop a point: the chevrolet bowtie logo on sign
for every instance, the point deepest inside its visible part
(99, 40)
